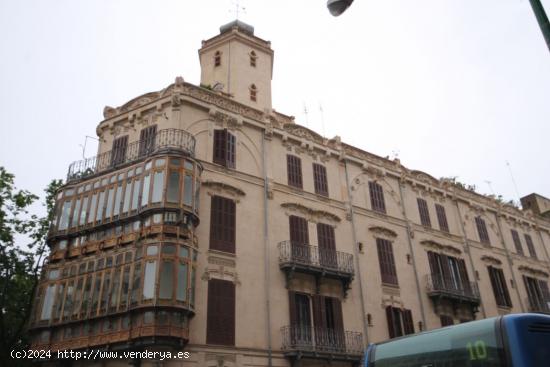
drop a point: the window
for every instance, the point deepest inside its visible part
(173, 187)
(118, 153)
(327, 318)
(530, 246)
(517, 242)
(224, 148)
(217, 58)
(166, 280)
(294, 171)
(299, 239)
(482, 231)
(400, 321)
(320, 179)
(146, 187)
(441, 218)
(449, 273)
(181, 294)
(149, 280)
(377, 197)
(253, 58)
(158, 187)
(147, 139)
(300, 317)
(222, 224)
(538, 294)
(446, 320)
(386, 261)
(327, 246)
(220, 319)
(253, 92)
(500, 289)
(424, 213)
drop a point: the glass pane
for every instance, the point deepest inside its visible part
(62, 245)
(47, 306)
(159, 162)
(166, 280)
(125, 286)
(188, 190)
(83, 211)
(69, 299)
(168, 249)
(100, 204)
(58, 301)
(136, 283)
(182, 282)
(192, 295)
(173, 187)
(145, 193)
(184, 251)
(110, 201)
(65, 212)
(118, 197)
(188, 165)
(148, 165)
(127, 194)
(76, 213)
(157, 218)
(175, 161)
(105, 291)
(114, 290)
(149, 280)
(135, 195)
(152, 250)
(158, 187)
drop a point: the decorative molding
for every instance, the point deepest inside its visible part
(305, 133)
(220, 272)
(533, 271)
(223, 187)
(382, 231)
(313, 213)
(491, 260)
(216, 260)
(438, 246)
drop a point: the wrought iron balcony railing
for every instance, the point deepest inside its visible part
(163, 140)
(315, 257)
(304, 338)
(537, 305)
(452, 288)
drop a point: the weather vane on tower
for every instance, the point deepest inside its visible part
(238, 9)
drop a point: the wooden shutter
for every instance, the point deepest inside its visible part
(531, 293)
(220, 144)
(147, 138)
(504, 286)
(482, 230)
(298, 230)
(292, 307)
(466, 286)
(442, 218)
(230, 150)
(386, 261)
(337, 316)
(500, 288)
(327, 245)
(220, 322)
(495, 285)
(517, 242)
(424, 212)
(294, 171)
(377, 197)
(408, 325)
(320, 179)
(391, 322)
(543, 285)
(118, 153)
(530, 246)
(222, 224)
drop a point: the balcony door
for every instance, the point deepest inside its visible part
(118, 153)
(539, 296)
(449, 273)
(147, 139)
(329, 324)
(300, 320)
(327, 246)
(299, 239)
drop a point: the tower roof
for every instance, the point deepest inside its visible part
(240, 25)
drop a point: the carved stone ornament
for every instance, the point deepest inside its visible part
(223, 187)
(438, 246)
(532, 271)
(220, 272)
(303, 132)
(491, 260)
(225, 120)
(382, 231)
(313, 213)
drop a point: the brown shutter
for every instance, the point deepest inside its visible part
(327, 245)
(386, 261)
(434, 265)
(377, 197)
(147, 138)
(220, 144)
(441, 217)
(464, 276)
(230, 150)
(530, 246)
(294, 171)
(337, 316)
(530, 292)
(222, 224)
(299, 239)
(517, 242)
(444, 260)
(408, 325)
(391, 321)
(482, 230)
(220, 323)
(504, 288)
(320, 179)
(320, 319)
(495, 285)
(543, 285)
(424, 212)
(118, 153)
(292, 307)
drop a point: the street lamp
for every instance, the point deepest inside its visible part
(337, 7)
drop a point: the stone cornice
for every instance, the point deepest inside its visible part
(383, 231)
(491, 260)
(311, 212)
(533, 271)
(441, 247)
(222, 186)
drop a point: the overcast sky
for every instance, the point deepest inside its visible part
(454, 87)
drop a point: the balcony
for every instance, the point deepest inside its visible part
(538, 305)
(319, 262)
(167, 140)
(300, 341)
(453, 290)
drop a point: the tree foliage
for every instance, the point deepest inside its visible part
(22, 251)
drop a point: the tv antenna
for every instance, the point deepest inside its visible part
(84, 146)
(513, 180)
(306, 114)
(322, 118)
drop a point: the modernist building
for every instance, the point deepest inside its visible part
(210, 223)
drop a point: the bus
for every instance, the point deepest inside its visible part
(516, 340)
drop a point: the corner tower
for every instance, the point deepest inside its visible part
(239, 64)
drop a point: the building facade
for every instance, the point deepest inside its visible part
(213, 224)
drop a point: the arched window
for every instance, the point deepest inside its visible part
(217, 58)
(253, 58)
(253, 92)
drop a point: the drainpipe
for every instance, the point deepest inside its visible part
(467, 243)
(356, 253)
(266, 254)
(411, 249)
(510, 262)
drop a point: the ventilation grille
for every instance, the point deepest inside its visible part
(539, 327)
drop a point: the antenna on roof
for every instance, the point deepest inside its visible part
(490, 187)
(513, 181)
(322, 118)
(84, 146)
(306, 114)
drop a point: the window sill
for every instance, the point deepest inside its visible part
(223, 253)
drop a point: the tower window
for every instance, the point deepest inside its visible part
(253, 92)
(217, 58)
(253, 58)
